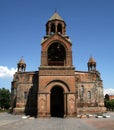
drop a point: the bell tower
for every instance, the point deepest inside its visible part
(56, 45)
(55, 25)
(21, 65)
(56, 71)
(91, 64)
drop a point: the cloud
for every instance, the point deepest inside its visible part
(109, 91)
(6, 72)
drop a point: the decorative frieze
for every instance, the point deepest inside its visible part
(57, 72)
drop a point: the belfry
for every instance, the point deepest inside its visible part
(56, 89)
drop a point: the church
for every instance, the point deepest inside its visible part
(56, 89)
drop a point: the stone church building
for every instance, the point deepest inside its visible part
(56, 89)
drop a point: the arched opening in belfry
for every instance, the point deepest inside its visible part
(56, 54)
(52, 28)
(57, 102)
(59, 28)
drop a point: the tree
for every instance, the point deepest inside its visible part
(112, 104)
(107, 97)
(4, 98)
(109, 104)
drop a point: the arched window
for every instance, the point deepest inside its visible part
(59, 28)
(89, 95)
(82, 89)
(52, 28)
(56, 54)
(81, 93)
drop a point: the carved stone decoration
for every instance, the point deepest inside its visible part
(71, 104)
(42, 104)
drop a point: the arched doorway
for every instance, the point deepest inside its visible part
(57, 102)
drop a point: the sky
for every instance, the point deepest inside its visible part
(90, 26)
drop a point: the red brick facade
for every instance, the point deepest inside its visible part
(57, 89)
(111, 97)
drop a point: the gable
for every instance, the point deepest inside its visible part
(64, 40)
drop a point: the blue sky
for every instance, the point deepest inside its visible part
(90, 26)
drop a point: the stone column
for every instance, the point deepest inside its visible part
(48, 105)
(65, 104)
(71, 104)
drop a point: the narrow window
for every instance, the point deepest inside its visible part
(25, 95)
(89, 95)
(82, 93)
(52, 28)
(82, 89)
(59, 28)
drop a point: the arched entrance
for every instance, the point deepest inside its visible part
(57, 102)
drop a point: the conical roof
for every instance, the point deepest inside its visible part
(55, 16)
(21, 61)
(91, 60)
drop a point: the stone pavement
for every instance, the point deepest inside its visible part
(15, 122)
(103, 123)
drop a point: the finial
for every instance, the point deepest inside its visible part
(55, 10)
(90, 55)
(21, 57)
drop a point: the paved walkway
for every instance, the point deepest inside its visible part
(15, 122)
